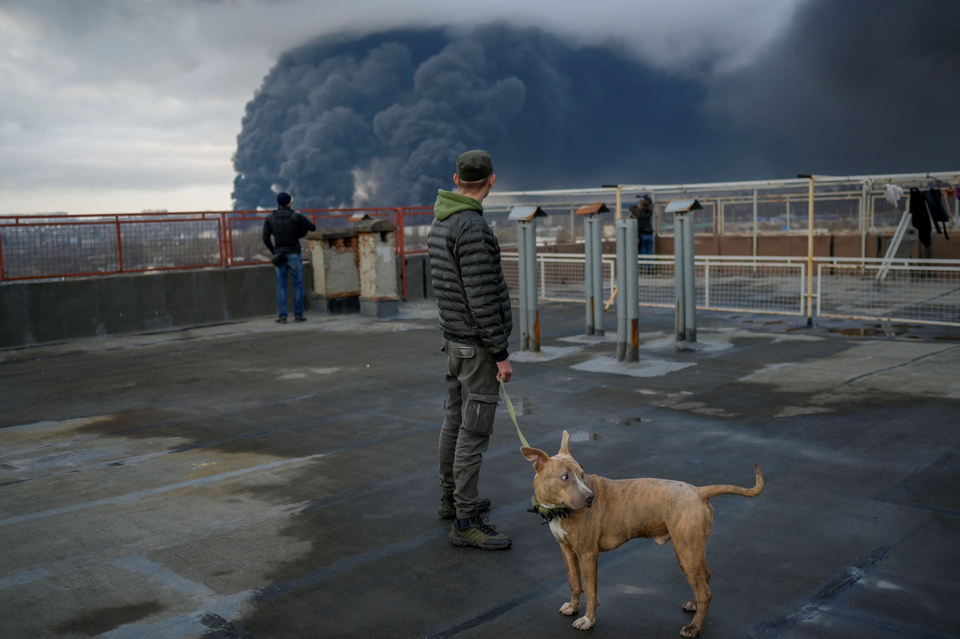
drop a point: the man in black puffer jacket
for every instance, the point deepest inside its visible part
(475, 318)
(287, 227)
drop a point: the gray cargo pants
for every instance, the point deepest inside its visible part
(469, 408)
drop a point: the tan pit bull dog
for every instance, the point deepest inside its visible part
(593, 514)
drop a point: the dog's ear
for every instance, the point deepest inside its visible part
(535, 455)
(565, 445)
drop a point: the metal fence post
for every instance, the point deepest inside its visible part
(810, 253)
(593, 266)
(755, 225)
(679, 263)
(685, 274)
(621, 292)
(588, 289)
(523, 283)
(598, 300)
(527, 274)
(533, 306)
(689, 281)
(116, 220)
(632, 281)
(706, 283)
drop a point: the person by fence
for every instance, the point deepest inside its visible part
(286, 226)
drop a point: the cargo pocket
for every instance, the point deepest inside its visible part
(462, 351)
(481, 410)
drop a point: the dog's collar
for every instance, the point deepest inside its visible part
(548, 514)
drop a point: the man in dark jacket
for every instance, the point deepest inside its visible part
(645, 224)
(476, 322)
(287, 227)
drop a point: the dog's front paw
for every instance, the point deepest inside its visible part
(690, 631)
(569, 609)
(690, 606)
(583, 623)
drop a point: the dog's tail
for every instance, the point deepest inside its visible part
(726, 489)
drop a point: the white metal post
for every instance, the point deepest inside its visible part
(533, 303)
(522, 282)
(706, 283)
(863, 224)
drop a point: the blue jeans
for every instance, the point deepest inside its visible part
(646, 244)
(294, 264)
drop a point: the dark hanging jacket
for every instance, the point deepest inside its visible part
(919, 215)
(938, 211)
(467, 279)
(287, 227)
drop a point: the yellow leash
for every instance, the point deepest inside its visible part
(547, 513)
(513, 414)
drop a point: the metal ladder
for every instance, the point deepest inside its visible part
(894, 245)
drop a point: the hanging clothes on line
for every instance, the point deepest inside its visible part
(937, 211)
(920, 217)
(893, 194)
(949, 192)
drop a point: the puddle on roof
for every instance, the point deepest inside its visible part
(523, 405)
(585, 437)
(627, 421)
(869, 331)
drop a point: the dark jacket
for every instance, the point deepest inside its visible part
(287, 227)
(645, 222)
(920, 217)
(938, 212)
(467, 279)
(644, 219)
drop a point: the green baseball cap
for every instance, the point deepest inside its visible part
(474, 166)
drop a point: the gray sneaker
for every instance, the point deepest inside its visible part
(479, 534)
(448, 507)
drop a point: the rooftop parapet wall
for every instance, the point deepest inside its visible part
(38, 312)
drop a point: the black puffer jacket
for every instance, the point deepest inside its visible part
(287, 227)
(467, 279)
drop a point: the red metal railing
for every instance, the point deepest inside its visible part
(243, 238)
(60, 246)
(85, 245)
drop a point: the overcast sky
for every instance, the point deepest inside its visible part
(120, 105)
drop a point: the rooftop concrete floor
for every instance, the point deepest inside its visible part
(258, 480)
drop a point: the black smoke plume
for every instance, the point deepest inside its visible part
(852, 87)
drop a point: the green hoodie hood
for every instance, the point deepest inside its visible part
(449, 203)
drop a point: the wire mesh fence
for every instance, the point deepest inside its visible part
(750, 286)
(560, 278)
(43, 249)
(92, 246)
(904, 291)
(161, 244)
(754, 286)
(841, 205)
